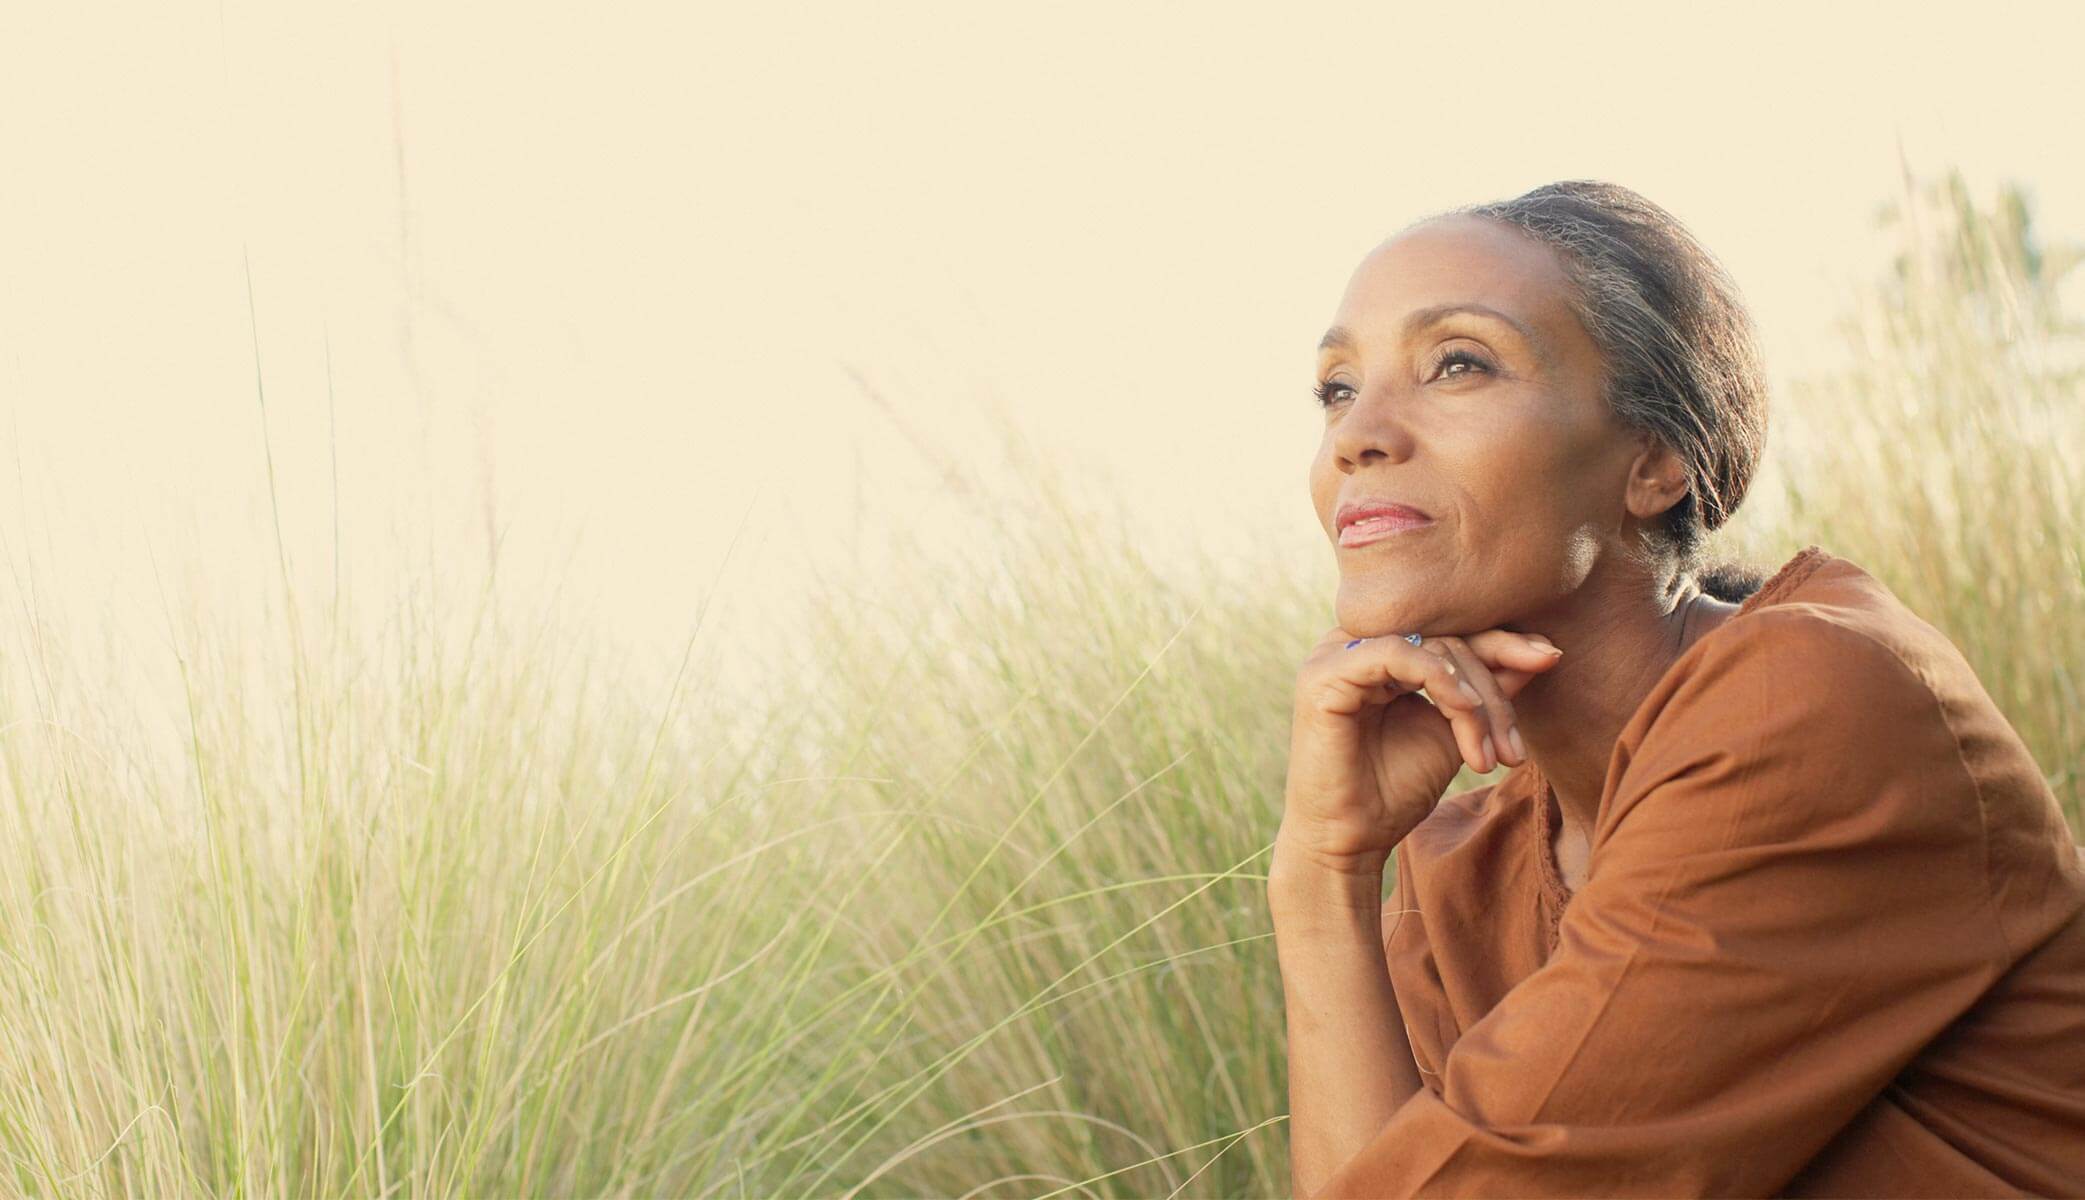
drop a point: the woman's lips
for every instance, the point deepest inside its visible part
(1375, 529)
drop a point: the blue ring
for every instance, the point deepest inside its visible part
(1413, 638)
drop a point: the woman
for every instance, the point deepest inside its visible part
(1772, 901)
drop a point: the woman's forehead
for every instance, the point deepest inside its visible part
(1464, 258)
(1458, 260)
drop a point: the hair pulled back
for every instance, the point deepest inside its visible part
(1681, 351)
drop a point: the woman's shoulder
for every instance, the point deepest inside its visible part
(1816, 706)
(1831, 701)
(1827, 656)
(1824, 632)
(1896, 662)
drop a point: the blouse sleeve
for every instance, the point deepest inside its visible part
(1404, 933)
(1789, 901)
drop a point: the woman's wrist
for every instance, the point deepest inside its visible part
(1305, 881)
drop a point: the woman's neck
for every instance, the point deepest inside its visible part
(1618, 640)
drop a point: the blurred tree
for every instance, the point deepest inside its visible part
(1960, 269)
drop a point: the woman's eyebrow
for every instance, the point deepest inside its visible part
(1339, 337)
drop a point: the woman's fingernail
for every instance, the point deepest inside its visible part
(1520, 750)
(1469, 691)
(1491, 756)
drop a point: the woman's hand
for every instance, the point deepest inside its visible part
(1369, 757)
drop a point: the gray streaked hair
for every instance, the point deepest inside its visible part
(1681, 351)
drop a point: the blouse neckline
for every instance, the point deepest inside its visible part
(1529, 776)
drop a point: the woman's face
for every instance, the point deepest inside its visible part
(1490, 422)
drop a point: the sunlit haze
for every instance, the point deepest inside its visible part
(630, 283)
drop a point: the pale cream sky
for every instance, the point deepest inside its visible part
(616, 266)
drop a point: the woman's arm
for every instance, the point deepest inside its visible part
(1791, 900)
(1350, 1063)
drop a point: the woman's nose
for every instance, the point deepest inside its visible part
(1374, 425)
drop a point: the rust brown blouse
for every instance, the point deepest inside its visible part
(1831, 939)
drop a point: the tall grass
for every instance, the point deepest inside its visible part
(1947, 456)
(970, 903)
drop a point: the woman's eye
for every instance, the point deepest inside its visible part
(1469, 363)
(1328, 392)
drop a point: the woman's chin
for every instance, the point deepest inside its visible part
(1371, 617)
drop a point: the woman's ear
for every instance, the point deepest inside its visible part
(1657, 479)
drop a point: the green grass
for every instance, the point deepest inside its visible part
(970, 903)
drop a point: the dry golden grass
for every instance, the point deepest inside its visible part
(971, 904)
